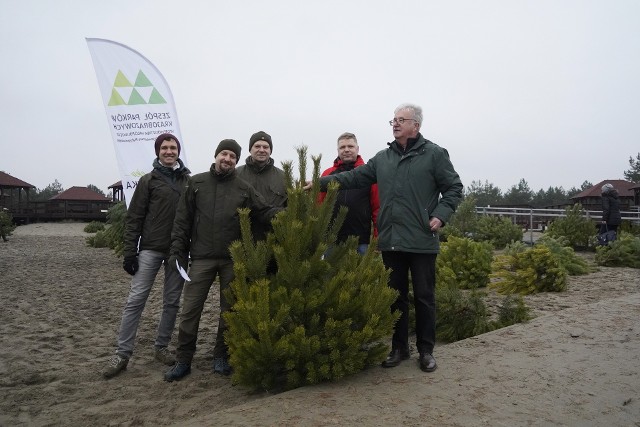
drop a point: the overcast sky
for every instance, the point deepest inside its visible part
(544, 90)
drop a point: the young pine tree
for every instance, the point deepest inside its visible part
(326, 310)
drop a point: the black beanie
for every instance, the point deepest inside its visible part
(231, 145)
(260, 136)
(162, 138)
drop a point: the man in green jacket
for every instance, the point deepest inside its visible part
(207, 222)
(419, 190)
(260, 171)
(147, 238)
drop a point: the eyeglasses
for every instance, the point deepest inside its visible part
(400, 120)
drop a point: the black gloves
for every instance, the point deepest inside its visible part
(180, 259)
(130, 264)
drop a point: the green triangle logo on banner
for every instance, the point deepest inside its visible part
(116, 99)
(121, 80)
(136, 98)
(156, 98)
(142, 80)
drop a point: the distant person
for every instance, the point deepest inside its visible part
(362, 203)
(419, 191)
(260, 171)
(207, 222)
(147, 238)
(611, 217)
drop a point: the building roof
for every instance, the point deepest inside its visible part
(80, 193)
(624, 189)
(7, 180)
(116, 185)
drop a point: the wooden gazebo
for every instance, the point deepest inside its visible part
(13, 191)
(117, 191)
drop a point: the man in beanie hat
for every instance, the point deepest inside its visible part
(147, 239)
(260, 171)
(208, 209)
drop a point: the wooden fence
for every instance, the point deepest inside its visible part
(55, 210)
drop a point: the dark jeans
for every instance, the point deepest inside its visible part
(423, 276)
(202, 273)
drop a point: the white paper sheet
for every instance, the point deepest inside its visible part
(182, 272)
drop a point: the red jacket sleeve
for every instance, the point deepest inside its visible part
(375, 207)
(323, 194)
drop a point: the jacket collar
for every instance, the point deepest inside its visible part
(180, 168)
(221, 176)
(337, 163)
(412, 144)
(257, 168)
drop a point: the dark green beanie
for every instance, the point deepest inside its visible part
(231, 145)
(261, 136)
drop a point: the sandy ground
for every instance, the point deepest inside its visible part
(576, 363)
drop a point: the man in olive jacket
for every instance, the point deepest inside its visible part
(419, 190)
(207, 222)
(147, 239)
(261, 172)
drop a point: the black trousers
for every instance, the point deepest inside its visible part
(423, 277)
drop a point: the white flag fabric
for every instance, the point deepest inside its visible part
(139, 107)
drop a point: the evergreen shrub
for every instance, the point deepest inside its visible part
(460, 314)
(464, 221)
(622, 252)
(565, 255)
(531, 271)
(94, 226)
(629, 227)
(113, 236)
(499, 231)
(512, 310)
(578, 230)
(322, 315)
(469, 261)
(6, 224)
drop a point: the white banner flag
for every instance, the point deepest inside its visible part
(139, 107)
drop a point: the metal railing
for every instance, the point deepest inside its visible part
(548, 213)
(538, 219)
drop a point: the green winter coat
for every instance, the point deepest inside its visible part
(269, 181)
(152, 209)
(413, 187)
(207, 220)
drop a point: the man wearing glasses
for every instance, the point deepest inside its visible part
(419, 190)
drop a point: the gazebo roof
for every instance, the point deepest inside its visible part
(8, 181)
(624, 189)
(80, 193)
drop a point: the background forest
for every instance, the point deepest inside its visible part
(484, 192)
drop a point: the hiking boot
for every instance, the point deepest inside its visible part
(179, 371)
(221, 366)
(163, 355)
(117, 364)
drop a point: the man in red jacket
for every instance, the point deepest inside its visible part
(363, 203)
